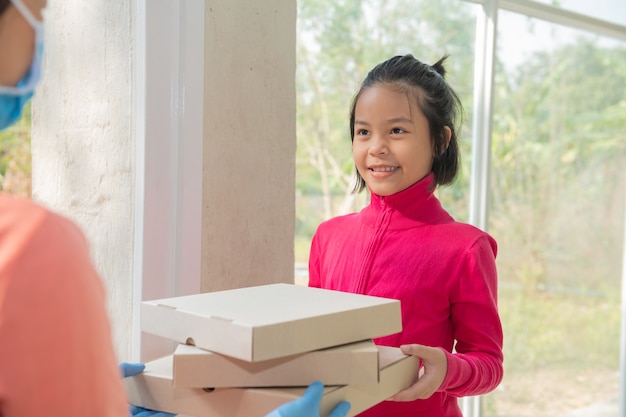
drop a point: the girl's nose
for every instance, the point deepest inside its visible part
(378, 146)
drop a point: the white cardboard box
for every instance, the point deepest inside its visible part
(341, 365)
(154, 389)
(271, 321)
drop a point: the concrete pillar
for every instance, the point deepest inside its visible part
(82, 140)
(248, 211)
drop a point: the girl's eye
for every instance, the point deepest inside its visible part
(397, 131)
(362, 132)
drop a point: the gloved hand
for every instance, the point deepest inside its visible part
(309, 405)
(144, 412)
(130, 369)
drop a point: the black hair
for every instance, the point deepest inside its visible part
(435, 98)
(3, 5)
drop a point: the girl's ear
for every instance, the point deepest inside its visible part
(446, 135)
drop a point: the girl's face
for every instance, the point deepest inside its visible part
(392, 147)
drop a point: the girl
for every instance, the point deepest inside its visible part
(405, 246)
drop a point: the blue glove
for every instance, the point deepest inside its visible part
(131, 369)
(309, 405)
(144, 412)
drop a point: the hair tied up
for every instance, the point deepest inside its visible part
(439, 68)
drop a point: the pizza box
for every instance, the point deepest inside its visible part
(271, 321)
(341, 365)
(154, 389)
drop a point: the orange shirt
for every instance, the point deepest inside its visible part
(56, 353)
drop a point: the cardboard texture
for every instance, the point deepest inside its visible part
(154, 389)
(271, 321)
(347, 364)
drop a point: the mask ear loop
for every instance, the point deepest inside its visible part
(25, 11)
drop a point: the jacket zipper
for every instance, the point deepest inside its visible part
(368, 259)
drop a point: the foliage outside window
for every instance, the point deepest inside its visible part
(15, 159)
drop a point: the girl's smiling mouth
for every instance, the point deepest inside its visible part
(382, 172)
(383, 169)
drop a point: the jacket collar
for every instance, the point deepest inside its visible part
(410, 207)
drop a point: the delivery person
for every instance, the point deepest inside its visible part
(56, 354)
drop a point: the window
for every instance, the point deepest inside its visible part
(556, 183)
(609, 10)
(557, 209)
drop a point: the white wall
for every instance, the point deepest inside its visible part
(168, 193)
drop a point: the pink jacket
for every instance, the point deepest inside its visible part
(407, 247)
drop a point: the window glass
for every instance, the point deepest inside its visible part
(611, 10)
(557, 211)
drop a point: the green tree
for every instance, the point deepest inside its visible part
(558, 146)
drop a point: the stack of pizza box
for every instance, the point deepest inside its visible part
(245, 352)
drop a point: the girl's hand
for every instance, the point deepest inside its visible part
(431, 374)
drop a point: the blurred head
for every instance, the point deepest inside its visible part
(21, 49)
(403, 126)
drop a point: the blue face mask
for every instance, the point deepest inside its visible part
(13, 99)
